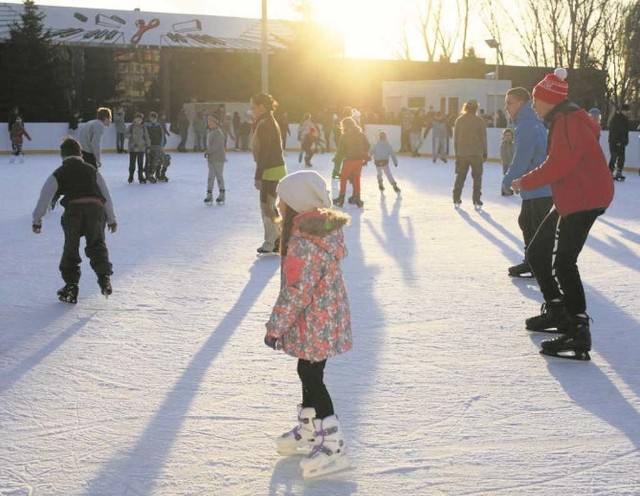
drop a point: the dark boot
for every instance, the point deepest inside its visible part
(338, 202)
(553, 318)
(221, 197)
(380, 185)
(575, 344)
(104, 281)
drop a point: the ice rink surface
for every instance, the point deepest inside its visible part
(167, 389)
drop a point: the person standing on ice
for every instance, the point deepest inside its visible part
(216, 157)
(382, 152)
(310, 319)
(266, 147)
(90, 137)
(576, 169)
(530, 150)
(88, 209)
(470, 142)
(353, 150)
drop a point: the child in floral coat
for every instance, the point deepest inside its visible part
(311, 319)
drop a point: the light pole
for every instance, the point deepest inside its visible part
(265, 49)
(492, 43)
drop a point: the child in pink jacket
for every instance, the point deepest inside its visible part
(311, 319)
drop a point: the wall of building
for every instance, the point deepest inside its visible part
(48, 136)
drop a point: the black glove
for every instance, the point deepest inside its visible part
(270, 341)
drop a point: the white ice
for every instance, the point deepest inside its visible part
(167, 389)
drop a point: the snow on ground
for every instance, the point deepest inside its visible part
(166, 388)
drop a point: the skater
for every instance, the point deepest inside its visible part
(353, 149)
(582, 187)
(530, 150)
(200, 131)
(470, 142)
(74, 123)
(121, 128)
(506, 156)
(310, 319)
(87, 209)
(90, 137)
(311, 143)
(381, 152)
(139, 141)
(303, 129)
(270, 166)
(16, 134)
(216, 157)
(439, 133)
(155, 152)
(285, 130)
(183, 130)
(618, 141)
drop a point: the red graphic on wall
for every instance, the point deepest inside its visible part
(143, 27)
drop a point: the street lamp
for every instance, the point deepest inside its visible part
(492, 43)
(265, 50)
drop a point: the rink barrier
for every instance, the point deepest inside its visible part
(48, 136)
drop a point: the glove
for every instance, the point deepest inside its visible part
(271, 341)
(36, 228)
(206, 155)
(258, 184)
(113, 227)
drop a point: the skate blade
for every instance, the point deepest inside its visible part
(304, 451)
(549, 331)
(67, 300)
(582, 356)
(267, 255)
(522, 275)
(338, 465)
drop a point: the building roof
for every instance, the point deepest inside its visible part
(125, 28)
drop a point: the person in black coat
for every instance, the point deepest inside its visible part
(618, 140)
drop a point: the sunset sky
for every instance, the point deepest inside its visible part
(371, 29)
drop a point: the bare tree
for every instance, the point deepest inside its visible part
(427, 20)
(465, 25)
(404, 50)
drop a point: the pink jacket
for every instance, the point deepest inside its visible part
(311, 317)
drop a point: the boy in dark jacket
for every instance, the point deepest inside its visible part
(88, 208)
(618, 141)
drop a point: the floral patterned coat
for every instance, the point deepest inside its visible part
(311, 317)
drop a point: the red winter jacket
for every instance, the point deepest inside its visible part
(575, 166)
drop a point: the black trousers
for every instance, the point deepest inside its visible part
(133, 158)
(553, 255)
(532, 213)
(314, 392)
(120, 142)
(617, 151)
(88, 220)
(463, 164)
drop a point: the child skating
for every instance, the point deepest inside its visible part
(506, 157)
(16, 133)
(311, 320)
(310, 145)
(216, 157)
(139, 141)
(382, 152)
(88, 209)
(354, 151)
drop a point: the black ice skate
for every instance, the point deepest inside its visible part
(104, 281)
(266, 252)
(574, 345)
(339, 201)
(209, 199)
(380, 185)
(619, 176)
(395, 188)
(521, 270)
(68, 293)
(553, 318)
(221, 198)
(478, 205)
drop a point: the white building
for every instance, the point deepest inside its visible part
(447, 95)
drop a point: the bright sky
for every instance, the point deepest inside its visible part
(372, 29)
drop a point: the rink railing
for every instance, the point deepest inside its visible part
(48, 136)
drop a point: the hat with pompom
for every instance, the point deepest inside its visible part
(304, 190)
(553, 88)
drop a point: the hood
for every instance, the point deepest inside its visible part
(323, 227)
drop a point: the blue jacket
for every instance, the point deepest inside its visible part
(530, 150)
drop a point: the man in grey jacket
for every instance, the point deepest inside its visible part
(90, 137)
(88, 209)
(470, 141)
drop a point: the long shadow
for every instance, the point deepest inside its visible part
(146, 460)
(399, 245)
(615, 340)
(509, 252)
(286, 481)
(615, 251)
(630, 235)
(13, 375)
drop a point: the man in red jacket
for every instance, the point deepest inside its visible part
(582, 189)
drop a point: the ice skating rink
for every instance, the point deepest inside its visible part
(167, 389)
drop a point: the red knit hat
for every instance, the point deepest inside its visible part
(553, 88)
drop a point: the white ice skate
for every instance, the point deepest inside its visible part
(330, 451)
(300, 440)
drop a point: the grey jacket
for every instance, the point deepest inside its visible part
(215, 146)
(90, 137)
(138, 137)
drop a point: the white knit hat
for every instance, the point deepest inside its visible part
(304, 190)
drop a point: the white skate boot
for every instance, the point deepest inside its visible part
(330, 452)
(300, 440)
